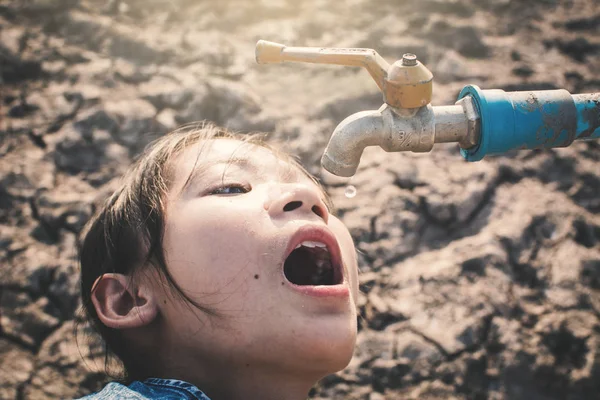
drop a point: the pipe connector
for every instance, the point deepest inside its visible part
(530, 119)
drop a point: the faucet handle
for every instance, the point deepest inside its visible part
(270, 52)
(405, 84)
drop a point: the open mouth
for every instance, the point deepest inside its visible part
(310, 264)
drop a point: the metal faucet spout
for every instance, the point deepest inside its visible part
(349, 139)
(384, 128)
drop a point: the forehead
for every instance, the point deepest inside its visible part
(203, 155)
(216, 151)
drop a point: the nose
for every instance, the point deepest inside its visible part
(298, 199)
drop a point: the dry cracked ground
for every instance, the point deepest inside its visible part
(479, 280)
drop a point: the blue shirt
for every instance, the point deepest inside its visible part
(150, 389)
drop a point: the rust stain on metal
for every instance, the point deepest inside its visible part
(532, 103)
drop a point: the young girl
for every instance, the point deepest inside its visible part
(217, 271)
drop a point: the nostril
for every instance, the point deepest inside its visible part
(292, 205)
(319, 211)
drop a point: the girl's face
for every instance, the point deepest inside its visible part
(230, 242)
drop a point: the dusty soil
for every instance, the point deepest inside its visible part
(479, 280)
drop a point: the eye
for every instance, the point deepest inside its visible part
(231, 189)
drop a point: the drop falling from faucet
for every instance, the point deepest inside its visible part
(350, 191)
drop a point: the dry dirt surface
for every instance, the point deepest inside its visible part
(479, 280)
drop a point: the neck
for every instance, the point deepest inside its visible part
(225, 382)
(233, 376)
(258, 385)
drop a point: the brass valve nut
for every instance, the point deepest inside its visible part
(409, 84)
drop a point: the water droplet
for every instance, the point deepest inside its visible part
(350, 191)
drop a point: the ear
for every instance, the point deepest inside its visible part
(121, 306)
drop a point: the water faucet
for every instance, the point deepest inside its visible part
(482, 122)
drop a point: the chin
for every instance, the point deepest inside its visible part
(329, 348)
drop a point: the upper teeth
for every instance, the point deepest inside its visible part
(312, 244)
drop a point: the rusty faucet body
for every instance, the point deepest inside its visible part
(482, 122)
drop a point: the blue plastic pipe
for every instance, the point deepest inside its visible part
(531, 120)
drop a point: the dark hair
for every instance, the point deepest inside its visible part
(126, 233)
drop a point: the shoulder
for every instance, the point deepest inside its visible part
(115, 390)
(150, 389)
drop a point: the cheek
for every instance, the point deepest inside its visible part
(208, 250)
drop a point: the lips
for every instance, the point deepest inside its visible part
(313, 263)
